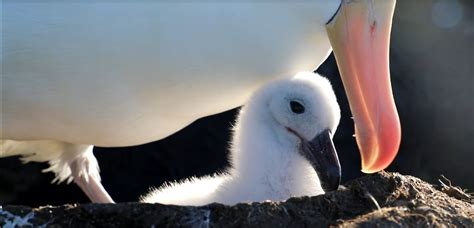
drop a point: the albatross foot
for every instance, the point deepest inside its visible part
(85, 173)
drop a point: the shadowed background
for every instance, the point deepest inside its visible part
(432, 59)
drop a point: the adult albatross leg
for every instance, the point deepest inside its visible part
(67, 161)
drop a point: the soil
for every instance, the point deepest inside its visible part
(382, 199)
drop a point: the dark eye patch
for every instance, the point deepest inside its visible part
(297, 107)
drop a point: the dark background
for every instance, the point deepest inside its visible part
(432, 76)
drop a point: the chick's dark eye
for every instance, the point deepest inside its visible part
(296, 107)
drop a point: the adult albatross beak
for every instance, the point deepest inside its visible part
(360, 38)
(321, 154)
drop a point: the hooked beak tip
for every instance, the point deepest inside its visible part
(321, 154)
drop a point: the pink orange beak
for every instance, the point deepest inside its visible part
(360, 37)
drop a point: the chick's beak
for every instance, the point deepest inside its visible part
(321, 154)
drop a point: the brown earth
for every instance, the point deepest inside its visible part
(383, 199)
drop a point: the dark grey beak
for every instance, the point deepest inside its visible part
(322, 155)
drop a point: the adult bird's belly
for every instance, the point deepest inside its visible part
(129, 73)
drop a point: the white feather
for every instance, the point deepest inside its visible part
(266, 164)
(59, 155)
(120, 74)
(128, 73)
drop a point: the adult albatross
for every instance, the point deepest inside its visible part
(127, 73)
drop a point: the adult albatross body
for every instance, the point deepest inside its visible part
(281, 148)
(121, 74)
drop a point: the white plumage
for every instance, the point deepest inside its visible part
(59, 155)
(123, 74)
(67, 161)
(264, 154)
(127, 73)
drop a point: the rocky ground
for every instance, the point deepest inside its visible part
(382, 199)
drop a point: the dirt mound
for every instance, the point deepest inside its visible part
(382, 199)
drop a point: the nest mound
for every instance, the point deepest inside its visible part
(382, 199)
